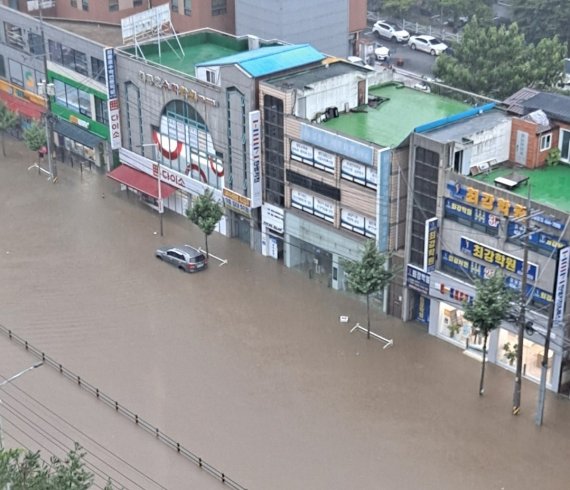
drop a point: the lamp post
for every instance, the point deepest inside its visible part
(9, 380)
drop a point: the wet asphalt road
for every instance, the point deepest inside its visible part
(245, 364)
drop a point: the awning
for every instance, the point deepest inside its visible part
(74, 132)
(23, 107)
(140, 181)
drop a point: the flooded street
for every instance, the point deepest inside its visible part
(246, 364)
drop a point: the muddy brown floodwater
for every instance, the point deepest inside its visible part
(246, 365)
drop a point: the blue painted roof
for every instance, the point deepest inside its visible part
(270, 59)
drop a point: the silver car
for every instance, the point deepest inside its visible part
(184, 257)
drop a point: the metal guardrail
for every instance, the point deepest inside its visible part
(155, 431)
(417, 28)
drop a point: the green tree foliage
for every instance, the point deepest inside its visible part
(21, 470)
(8, 120)
(35, 136)
(368, 276)
(540, 19)
(490, 306)
(497, 62)
(453, 9)
(397, 7)
(206, 212)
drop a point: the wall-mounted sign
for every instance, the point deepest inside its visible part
(562, 266)
(358, 173)
(485, 200)
(473, 270)
(79, 122)
(324, 161)
(497, 258)
(458, 209)
(357, 223)
(301, 152)
(538, 238)
(168, 175)
(417, 279)
(237, 202)
(336, 143)
(315, 205)
(272, 217)
(430, 244)
(176, 88)
(422, 310)
(112, 98)
(255, 158)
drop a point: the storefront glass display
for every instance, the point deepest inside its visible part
(453, 326)
(532, 355)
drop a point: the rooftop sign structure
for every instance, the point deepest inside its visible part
(149, 25)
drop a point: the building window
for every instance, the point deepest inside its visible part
(174, 6)
(98, 70)
(36, 44)
(68, 57)
(187, 7)
(101, 114)
(219, 7)
(137, 3)
(14, 36)
(2, 67)
(211, 76)
(113, 5)
(73, 3)
(73, 98)
(545, 141)
(85, 5)
(274, 150)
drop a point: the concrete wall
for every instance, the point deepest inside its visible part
(321, 23)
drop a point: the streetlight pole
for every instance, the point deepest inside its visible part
(9, 380)
(522, 313)
(51, 162)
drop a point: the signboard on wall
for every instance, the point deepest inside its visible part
(315, 205)
(255, 158)
(430, 244)
(237, 202)
(301, 152)
(147, 22)
(417, 279)
(112, 99)
(357, 223)
(312, 156)
(562, 267)
(539, 239)
(497, 258)
(272, 217)
(454, 208)
(479, 271)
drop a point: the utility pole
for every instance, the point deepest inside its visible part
(555, 316)
(51, 161)
(522, 313)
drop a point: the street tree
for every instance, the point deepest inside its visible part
(8, 120)
(453, 9)
(489, 307)
(539, 19)
(497, 62)
(25, 470)
(205, 212)
(368, 275)
(35, 137)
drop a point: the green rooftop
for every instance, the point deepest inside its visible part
(395, 118)
(198, 47)
(548, 185)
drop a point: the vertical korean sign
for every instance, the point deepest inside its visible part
(430, 244)
(112, 98)
(255, 157)
(561, 284)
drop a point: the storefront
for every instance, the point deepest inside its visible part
(318, 250)
(76, 145)
(448, 296)
(28, 105)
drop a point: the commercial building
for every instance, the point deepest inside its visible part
(189, 116)
(334, 175)
(75, 67)
(331, 26)
(470, 182)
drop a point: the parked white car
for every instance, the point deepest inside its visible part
(429, 44)
(382, 53)
(391, 31)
